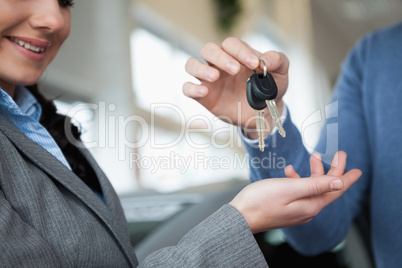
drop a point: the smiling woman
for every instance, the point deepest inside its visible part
(32, 33)
(39, 48)
(58, 209)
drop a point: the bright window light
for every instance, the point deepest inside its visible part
(261, 42)
(158, 74)
(204, 149)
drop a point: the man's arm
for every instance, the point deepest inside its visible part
(345, 129)
(222, 89)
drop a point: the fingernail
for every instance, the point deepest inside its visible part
(211, 76)
(288, 169)
(336, 185)
(268, 61)
(252, 62)
(233, 68)
(317, 155)
(271, 61)
(202, 92)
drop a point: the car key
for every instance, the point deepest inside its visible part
(275, 116)
(260, 126)
(258, 105)
(261, 92)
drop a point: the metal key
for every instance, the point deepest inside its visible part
(261, 92)
(275, 116)
(258, 105)
(259, 116)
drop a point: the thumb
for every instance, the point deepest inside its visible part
(276, 62)
(317, 185)
(348, 180)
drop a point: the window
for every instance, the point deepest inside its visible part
(186, 144)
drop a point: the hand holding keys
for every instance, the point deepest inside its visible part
(261, 92)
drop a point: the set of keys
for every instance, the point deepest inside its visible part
(261, 93)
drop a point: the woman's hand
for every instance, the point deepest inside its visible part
(224, 77)
(282, 202)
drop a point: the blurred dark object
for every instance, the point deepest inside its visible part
(353, 252)
(227, 11)
(282, 255)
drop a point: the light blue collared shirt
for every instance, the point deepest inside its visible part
(24, 112)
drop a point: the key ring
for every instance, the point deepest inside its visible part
(265, 66)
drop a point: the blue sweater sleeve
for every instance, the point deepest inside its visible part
(345, 129)
(279, 152)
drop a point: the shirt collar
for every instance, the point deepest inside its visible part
(23, 103)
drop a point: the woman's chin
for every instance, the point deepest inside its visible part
(29, 81)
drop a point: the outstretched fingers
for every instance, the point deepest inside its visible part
(194, 91)
(338, 164)
(348, 179)
(201, 71)
(241, 52)
(322, 192)
(290, 172)
(216, 56)
(316, 165)
(314, 186)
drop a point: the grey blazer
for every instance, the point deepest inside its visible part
(50, 218)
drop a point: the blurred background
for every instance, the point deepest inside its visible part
(127, 57)
(120, 74)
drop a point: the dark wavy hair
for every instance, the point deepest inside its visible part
(54, 123)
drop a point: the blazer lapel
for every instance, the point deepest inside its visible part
(58, 171)
(113, 203)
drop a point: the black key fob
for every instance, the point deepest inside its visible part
(259, 89)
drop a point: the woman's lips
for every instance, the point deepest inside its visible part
(31, 48)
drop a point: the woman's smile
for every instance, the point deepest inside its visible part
(31, 34)
(31, 48)
(33, 45)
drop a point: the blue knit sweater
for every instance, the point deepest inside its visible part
(364, 119)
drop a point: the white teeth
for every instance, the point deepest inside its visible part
(27, 45)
